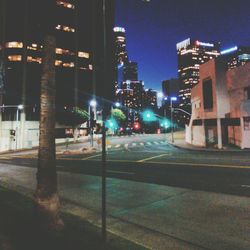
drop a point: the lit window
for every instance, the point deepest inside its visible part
(83, 54)
(58, 63)
(14, 45)
(64, 52)
(65, 4)
(34, 59)
(15, 58)
(68, 65)
(65, 28)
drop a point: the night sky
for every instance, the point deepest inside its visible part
(153, 29)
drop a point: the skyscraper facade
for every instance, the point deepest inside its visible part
(191, 54)
(130, 71)
(78, 28)
(236, 56)
(120, 46)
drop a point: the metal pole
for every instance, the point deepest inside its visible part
(172, 126)
(17, 118)
(104, 226)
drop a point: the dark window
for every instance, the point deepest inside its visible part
(197, 122)
(247, 93)
(246, 123)
(207, 94)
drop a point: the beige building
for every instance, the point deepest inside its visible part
(220, 106)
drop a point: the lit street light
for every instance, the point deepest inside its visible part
(92, 105)
(171, 109)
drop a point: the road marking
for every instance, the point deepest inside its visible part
(126, 145)
(141, 143)
(155, 142)
(181, 164)
(118, 145)
(149, 143)
(109, 146)
(119, 172)
(92, 156)
(198, 164)
(150, 158)
(245, 186)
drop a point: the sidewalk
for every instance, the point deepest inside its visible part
(154, 216)
(18, 230)
(179, 142)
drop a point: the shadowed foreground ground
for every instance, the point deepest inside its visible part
(18, 230)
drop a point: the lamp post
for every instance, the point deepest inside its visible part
(92, 105)
(171, 110)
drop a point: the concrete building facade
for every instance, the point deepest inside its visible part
(220, 106)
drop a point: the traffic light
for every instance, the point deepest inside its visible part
(148, 116)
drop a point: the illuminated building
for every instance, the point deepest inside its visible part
(236, 56)
(130, 71)
(120, 46)
(191, 54)
(78, 31)
(150, 99)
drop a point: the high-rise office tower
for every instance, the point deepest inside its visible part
(130, 71)
(120, 46)
(236, 56)
(150, 99)
(78, 28)
(191, 54)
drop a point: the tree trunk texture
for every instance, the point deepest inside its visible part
(46, 196)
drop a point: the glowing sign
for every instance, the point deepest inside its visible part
(119, 29)
(183, 44)
(229, 50)
(198, 43)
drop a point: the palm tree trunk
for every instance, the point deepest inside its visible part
(46, 196)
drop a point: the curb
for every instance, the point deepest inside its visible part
(210, 150)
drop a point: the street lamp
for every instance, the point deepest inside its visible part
(19, 107)
(92, 105)
(173, 98)
(117, 105)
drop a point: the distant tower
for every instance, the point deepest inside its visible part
(130, 71)
(120, 46)
(191, 54)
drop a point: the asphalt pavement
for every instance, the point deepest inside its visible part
(159, 195)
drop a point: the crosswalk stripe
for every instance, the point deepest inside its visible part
(141, 143)
(126, 145)
(149, 143)
(155, 142)
(118, 145)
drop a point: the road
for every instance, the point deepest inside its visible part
(152, 159)
(158, 195)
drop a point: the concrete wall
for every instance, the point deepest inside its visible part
(27, 135)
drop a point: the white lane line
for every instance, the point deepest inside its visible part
(118, 145)
(92, 156)
(245, 186)
(120, 172)
(150, 158)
